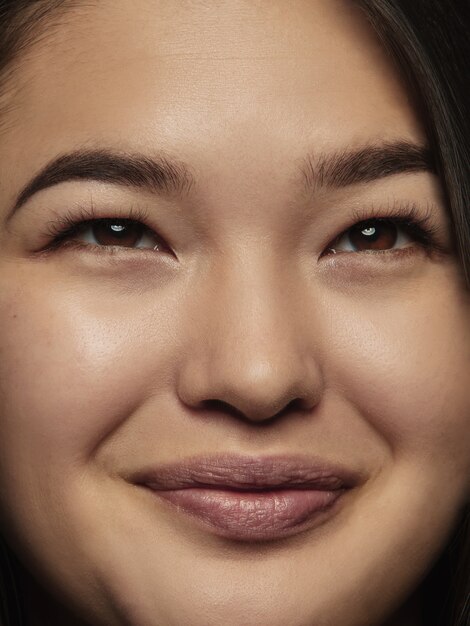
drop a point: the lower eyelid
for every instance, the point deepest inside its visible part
(73, 244)
(383, 259)
(359, 253)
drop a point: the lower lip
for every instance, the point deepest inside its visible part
(255, 515)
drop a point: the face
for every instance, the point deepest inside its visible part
(242, 317)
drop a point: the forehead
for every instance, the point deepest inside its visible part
(262, 77)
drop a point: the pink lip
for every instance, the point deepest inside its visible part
(251, 498)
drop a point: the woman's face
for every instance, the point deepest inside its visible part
(261, 325)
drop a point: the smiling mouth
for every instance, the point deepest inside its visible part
(251, 499)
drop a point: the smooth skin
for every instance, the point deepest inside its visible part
(106, 360)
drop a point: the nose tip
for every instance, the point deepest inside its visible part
(256, 389)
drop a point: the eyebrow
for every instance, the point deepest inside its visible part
(159, 174)
(366, 164)
(169, 176)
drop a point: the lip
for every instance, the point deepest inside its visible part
(251, 498)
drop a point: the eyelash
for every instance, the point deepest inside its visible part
(407, 217)
(72, 223)
(416, 223)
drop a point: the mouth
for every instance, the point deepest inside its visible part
(251, 498)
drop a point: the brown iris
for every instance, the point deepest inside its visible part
(117, 232)
(373, 235)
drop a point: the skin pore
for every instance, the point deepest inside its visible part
(240, 333)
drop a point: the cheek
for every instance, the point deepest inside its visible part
(75, 364)
(403, 362)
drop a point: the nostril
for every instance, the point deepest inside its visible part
(221, 405)
(294, 405)
(229, 409)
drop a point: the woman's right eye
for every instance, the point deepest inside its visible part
(105, 233)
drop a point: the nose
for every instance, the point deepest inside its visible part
(251, 352)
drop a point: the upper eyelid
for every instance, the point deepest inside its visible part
(74, 218)
(82, 215)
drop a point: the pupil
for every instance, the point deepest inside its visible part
(377, 235)
(111, 233)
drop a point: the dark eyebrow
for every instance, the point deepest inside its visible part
(169, 176)
(366, 164)
(158, 174)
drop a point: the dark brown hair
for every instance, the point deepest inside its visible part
(428, 41)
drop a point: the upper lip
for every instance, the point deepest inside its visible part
(242, 473)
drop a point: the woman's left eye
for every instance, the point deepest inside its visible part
(377, 235)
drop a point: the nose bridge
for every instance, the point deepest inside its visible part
(253, 314)
(251, 352)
